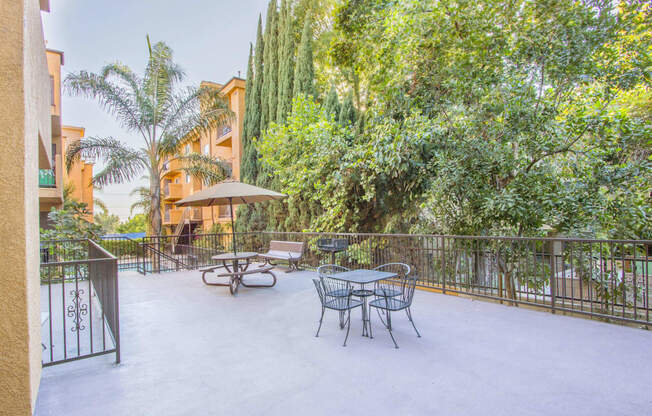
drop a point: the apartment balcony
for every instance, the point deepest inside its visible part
(189, 348)
(50, 195)
(46, 178)
(172, 216)
(175, 191)
(171, 167)
(176, 215)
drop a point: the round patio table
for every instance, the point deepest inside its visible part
(233, 263)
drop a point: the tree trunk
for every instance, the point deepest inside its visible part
(155, 219)
(155, 206)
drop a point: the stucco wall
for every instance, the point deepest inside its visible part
(25, 116)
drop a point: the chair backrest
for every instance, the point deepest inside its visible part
(335, 290)
(288, 246)
(320, 290)
(408, 285)
(326, 269)
(401, 269)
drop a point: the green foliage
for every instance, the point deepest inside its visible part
(286, 61)
(304, 76)
(332, 104)
(347, 115)
(135, 224)
(70, 222)
(107, 222)
(253, 111)
(269, 93)
(337, 181)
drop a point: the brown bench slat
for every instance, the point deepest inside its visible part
(291, 251)
(259, 270)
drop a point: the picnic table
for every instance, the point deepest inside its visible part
(236, 266)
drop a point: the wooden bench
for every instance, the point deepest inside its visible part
(236, 278)
(289, 251)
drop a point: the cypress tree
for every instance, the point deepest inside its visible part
(347, 112)
(304, 72)
(256, 93)
(269, 95)
(248, 158)
(332, 105)
(286, 62)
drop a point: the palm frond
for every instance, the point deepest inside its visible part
(144, 200)
(116, 100)
(205, 168)
(194, 112)
(161, 76)
(122, 163)
(100, 204)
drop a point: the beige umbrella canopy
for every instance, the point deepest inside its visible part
(227, 193)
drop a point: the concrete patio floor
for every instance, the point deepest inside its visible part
(191, 349)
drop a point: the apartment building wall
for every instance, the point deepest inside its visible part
(25, 129)
(78, 178)
(51, 195)
(224, 142)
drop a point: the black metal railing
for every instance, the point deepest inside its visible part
(79, 301)
(607, 279)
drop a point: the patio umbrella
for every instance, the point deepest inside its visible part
(226, 193)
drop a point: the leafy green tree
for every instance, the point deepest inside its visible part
(155, 108)
(304, 72)
(338, 181)
(347, 111)
(106, 221)
(136, 224)
(70, 223)
(332, 104)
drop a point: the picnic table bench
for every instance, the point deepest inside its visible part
(290, 251)
(236, 271)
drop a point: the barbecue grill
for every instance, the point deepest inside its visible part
(332, 245)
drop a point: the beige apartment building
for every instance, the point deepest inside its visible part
(224, 143)
(52, 181)
(28, 126)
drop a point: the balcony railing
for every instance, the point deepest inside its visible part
(46, 178)
(223, 131)
(608, 279)
(79, 291)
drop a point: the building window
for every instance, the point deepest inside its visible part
(51, 90)
(187, 149)
(187, 178)
(206, 149)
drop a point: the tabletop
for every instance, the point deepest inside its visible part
(362, 276)
(235, 256)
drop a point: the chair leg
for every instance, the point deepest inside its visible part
(389, 327)
(371, 335)
(321, 318)
(409, 314)
(342, 322)
(348, 328)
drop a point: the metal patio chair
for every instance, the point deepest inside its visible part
(388, 304)
(391, 287)
(341, 304)
(330, 269)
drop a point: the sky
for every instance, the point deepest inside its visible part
(210, 40)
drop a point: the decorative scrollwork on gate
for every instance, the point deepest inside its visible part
(77, 310)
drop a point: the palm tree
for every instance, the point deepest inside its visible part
(156, 108)
(143, 200)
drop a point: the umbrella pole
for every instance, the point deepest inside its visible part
(232, 226)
